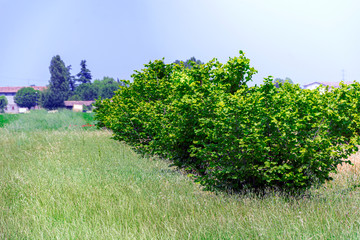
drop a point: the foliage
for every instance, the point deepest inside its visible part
(107, 87)
(63, 85)
(59, 87)
(75, 98)
(252, 142)
(72, 80)
(208, 121)
(3, 103)
(278, 81)
(87, 108)
(86, 92)
(189, 63)
(27, 97)
(104, 88)
(108, 91)
(84, 76)
(50, 99)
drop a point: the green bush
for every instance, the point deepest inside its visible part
(287, 138)
(3, 103)
(27, 97)
(208, 121)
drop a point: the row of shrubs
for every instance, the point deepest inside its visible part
(208, 121)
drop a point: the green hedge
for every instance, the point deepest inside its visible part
(208, 121)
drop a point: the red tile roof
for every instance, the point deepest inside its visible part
(15, 89)
(72, 103)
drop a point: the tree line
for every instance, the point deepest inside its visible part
(65, 87)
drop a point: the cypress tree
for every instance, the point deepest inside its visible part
(84, 76)
(59, 88)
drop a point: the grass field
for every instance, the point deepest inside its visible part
(7, 118)
(41, 120)
(72, 182)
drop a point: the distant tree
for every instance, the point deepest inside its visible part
(51, 100)
(72, 80)
(59, 87)
(75, 97)
(188, 63)
(84, 76)
(122, 83)
(86, 92)
(108, 91)
(3, 103)
(277, 81)
(104, 88)
(289, 80)
(27, 97)
(107, 87)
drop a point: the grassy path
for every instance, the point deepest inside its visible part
(78, 184)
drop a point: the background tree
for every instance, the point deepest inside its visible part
(59, 87)
(50, 100)
(107, 87)
(27, 97)
(72, 80)
(104, 88)
(3, 103)
(85, 92)
(123, 83)
(277, 81)
(289, 80)
(187, 63)
(84, 76)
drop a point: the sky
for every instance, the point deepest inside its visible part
(305, 40)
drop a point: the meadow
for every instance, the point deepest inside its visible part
(63, 179)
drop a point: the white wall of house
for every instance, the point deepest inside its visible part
(312, 86)
(10, 99)
(12, 106)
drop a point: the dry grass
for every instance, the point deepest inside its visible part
(347, 168)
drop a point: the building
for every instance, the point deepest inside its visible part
(77, 106)
(9, 93)
(315, 85)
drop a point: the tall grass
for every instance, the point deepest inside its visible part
(64, 184)
(7, 118)
(42, 120)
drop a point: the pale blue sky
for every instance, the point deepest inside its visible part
(302, 39)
